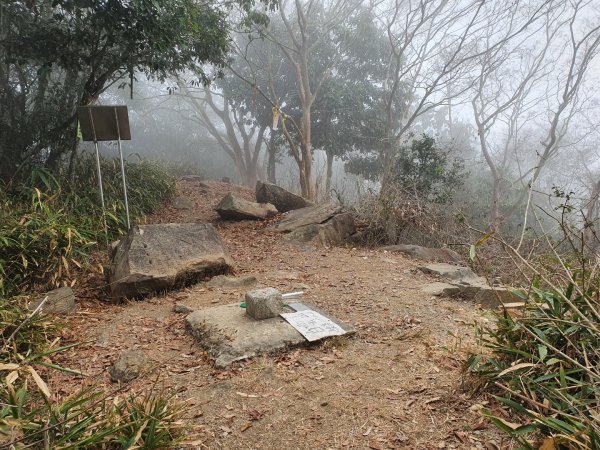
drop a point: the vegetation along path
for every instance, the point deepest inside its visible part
(397, 384)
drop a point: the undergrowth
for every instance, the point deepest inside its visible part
(49, 227)
(31, 417)
(545, 362)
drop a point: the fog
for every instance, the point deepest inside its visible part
(326, 99)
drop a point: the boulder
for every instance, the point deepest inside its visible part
(320, 224)
(60, 301)
(180, 308)
(182, 202)
(155, 258)
(335, 231)
(492, 297)
(226, 282)
(130, 365)
(425, 253)
(264, 303)
(235, 208)
(311, 215)
(283, 200)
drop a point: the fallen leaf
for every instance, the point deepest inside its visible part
(515, 367)
(243, 394)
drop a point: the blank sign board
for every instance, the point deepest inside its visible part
(104, 123)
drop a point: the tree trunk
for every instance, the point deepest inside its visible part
(271, 172)
(305, 146)
(328, 176)
(590, 236)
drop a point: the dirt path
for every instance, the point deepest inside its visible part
(396, 384)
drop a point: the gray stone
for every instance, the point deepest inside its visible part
(180, 308)
(464, 282)
(227, 282)
(183, 203)
(311, 215)
(493, 297)
(155, 258)
(228, 334)
(283, 200)
(450, 272)
(264, 303)
(440, 289)
(130, 365)
(425, 253)
(60, 301)
(335, 231)
(326, 224)
(235, 208)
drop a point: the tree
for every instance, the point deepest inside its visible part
(313, 23)
(550, 73)
(56, 55)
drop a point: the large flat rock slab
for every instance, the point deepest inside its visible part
(228, 334)
(155, 258)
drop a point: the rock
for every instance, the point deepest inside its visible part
(60, 301)
(155, 258)
(440, 289)
(425, 253)
(226, 282)
(183, 203)
(264, 303)
(450, 272)
(312, 215)
(130, 365)
(493, 297)
(283, 200)
(335, 231)
(228, 334)
(464, 282)
(235, 208)
(180, 308)
(321, 224)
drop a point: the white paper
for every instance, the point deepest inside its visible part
(312, 325)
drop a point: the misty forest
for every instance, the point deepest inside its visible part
(303, 224)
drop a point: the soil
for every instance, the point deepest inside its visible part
(398, 383)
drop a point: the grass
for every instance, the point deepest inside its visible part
(546, 364)
(47, 229)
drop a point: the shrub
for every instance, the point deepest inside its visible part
(546, 361)
(47, 230)
(90, 419)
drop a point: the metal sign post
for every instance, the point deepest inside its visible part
(106, 123)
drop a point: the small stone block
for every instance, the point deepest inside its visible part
(264, 303)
